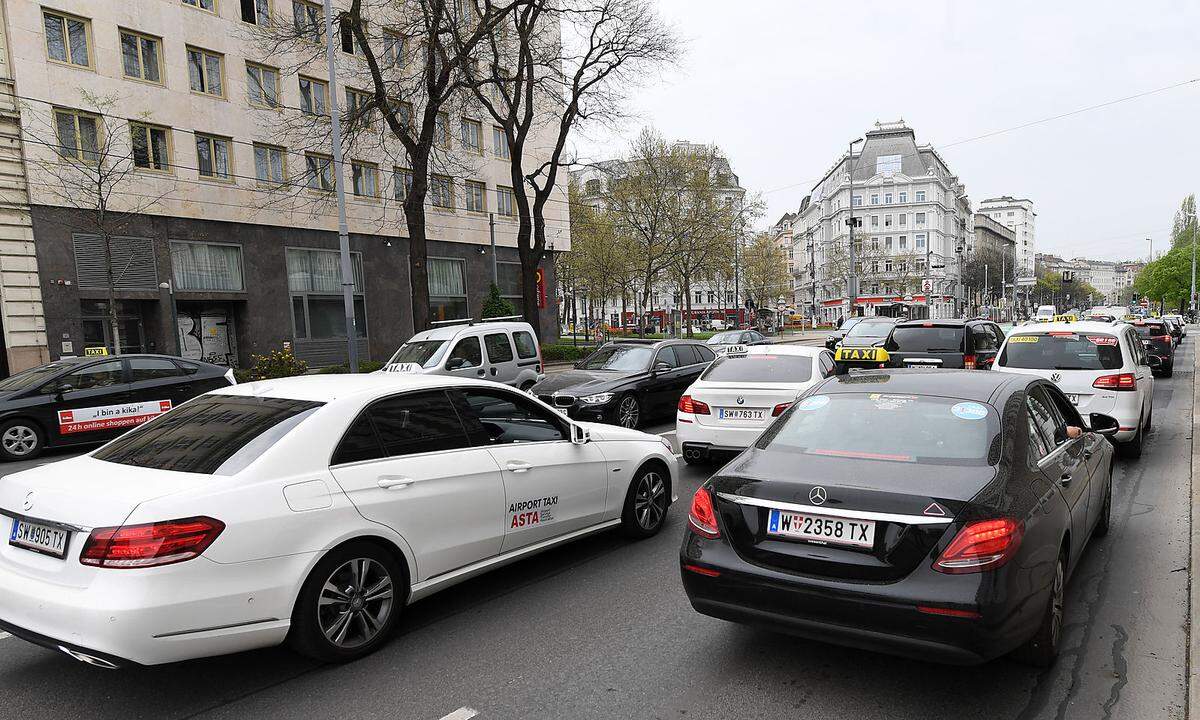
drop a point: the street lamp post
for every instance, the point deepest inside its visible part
(1192, 297)
(852, 276)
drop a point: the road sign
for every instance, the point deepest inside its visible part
(1026, 281)
(927, 285)
(1144, 302)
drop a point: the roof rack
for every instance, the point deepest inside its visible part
(473, 321)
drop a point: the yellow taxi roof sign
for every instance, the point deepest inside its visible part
(95, 351)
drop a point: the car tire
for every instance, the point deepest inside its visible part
(629, 412)
(646, 503)
(1105, 521)
(21, 439)
(1132, 449)
(373, 604)
(1150, 420)
(1168, 371)
(1042, 649)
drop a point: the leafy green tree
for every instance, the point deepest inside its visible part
(496, 306)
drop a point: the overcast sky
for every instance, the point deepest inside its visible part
(782, 86)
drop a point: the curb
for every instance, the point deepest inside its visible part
(1192, 663)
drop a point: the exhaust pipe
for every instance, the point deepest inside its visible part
(89, 659)
(692, 454)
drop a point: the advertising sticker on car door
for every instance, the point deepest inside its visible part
(109, 417)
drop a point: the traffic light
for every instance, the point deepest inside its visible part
(1068, 275)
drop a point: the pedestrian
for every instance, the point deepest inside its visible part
(841, 319)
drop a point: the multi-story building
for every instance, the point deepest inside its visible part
(1018, 214)
(915, 224)
(1124, 275)
(994, 237)
(227, 208)
(1102, 275)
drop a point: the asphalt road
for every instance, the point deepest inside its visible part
(602, 629)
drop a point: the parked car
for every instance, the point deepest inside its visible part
(721, 341)
(1045, 313)
(626, 382)
(1157, 339)
(1101, 367)
(893, 511)
(958, 344)
(863, 345)
(1180, 321)
(513, 355)
(1175, 326)
(835, 336)
(332, 501)
(89, 400)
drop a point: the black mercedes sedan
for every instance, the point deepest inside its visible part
(935, 514)
(626, 382)
(88, 400)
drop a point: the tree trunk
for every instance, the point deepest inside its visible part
(687, 303)
(414, 217)
(113, 322)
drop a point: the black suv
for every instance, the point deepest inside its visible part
(1156, 338)
(961, 344)
(626, 382)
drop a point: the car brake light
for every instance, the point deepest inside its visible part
(1123, 381)
(688, 404)
(948, 612)
(1162, 338)
(150, 544)
(980, 545)
(780, 408)
(969, 362)
(703, 517)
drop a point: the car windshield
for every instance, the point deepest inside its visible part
(870, 330)
(213, 434)
(619, 358)
(725, 338)
(760, 368)
(421, 352)
(33, 377)
(886, 427)
(1062, 351)
(927, 339)
(851, 323)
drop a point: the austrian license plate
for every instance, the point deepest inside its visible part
(822, 530)
(39, 538)
(1073, 398)
(741, 414)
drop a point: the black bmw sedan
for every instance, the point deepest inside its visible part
(626, 382)
(88, 400)
(932, 514)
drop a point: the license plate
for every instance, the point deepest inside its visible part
(741, 414)
(39, 538)
(821, 530)
(1073, 398)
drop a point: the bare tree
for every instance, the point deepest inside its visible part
(92, 159)
(764, 268)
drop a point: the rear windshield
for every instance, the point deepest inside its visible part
(421, 352)
(1065, 351)
(870, 330)
(760, 368)
(213, 434)
(887, 427)
(1150, 330)
(927, 339)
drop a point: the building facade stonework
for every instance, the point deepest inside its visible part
(1018, 215)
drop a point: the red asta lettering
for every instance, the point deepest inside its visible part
(523, 519)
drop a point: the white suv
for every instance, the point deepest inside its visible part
(1102, 367)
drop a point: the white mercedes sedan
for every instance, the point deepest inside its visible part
(741, 393)
(310, 510)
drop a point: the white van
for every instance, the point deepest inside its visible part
(501, 349)
(1045, 313)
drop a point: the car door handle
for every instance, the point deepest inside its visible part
(481, 372)
(394, 482)
(1087, 454)
(1065, 479)
(518, 466)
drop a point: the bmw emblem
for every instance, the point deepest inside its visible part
(1056, 377)
(817, 496)
(741, 400)
(28, 504)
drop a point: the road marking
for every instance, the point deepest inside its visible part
(463, 713)
(4, 635)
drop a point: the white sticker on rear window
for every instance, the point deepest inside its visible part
(969, 411)
(816, 402)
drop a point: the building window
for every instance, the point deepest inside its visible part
(269, 164)
(887, 198)
(318, 171)
(500, 143)
(729, 296)
(206, 72)
(888, 163)
(212, 156)
(151, 146)
(209, 5)
(920, 264)
(447, 289)
(1010, 213)
(207, 266)
(505, 204)
(903, 242)
(402, 181)
(315, 284)
(307, 21)
(887, 265)
(262, 85)
(349, 43)
(366, 179)
(441, 192)
(68, 39)
(874, 221)
(313, 96)
(712, 297)
(920, 242)
(256, 12)
(474, 196)
(441, 129)
(887, 220)
(471, 135)
(78, 135)
(920, 219)
(920, 196)
(509, 276)
(393, 48)
(903, 219)
(903, 197)
(887, 242)
(358, 108)
(699, 296)
(140, 56)
(874, 199)
(592, 187)
(875, 267)
(856, 201)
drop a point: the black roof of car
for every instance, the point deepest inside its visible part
(652, 341)
(946, 322)
(964, 384)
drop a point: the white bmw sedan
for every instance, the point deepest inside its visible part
(741, 393)
(308, 509)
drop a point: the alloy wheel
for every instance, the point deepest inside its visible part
(627, 412)
(649, 504)
(355, 603)
(19, 440)
(1056, 604)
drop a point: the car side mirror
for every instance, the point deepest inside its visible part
(577, 364)
(660, 367)
(457, 363)
(63, 388)
(1102, 424)
(580, 435)
(1153, 361)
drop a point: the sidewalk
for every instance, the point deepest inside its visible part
(1193, 649)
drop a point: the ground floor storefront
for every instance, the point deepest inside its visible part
(223, 292)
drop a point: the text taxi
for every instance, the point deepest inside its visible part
(863, 345)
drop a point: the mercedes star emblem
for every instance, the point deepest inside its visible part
(741, 400)
(817, 496)
(28, 504)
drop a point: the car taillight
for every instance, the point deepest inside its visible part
(688, 404)
(1162, 338)
(980, 545)
(150, 544)
(703, 516)
(1123, 381)
(969, 362)
(780, 408)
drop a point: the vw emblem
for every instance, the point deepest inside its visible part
(817, 496)
(28, 504)
(741, 400)
(1056, 377)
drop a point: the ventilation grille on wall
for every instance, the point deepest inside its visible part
(133, 263)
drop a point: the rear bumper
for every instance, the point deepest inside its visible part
(731, 439)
